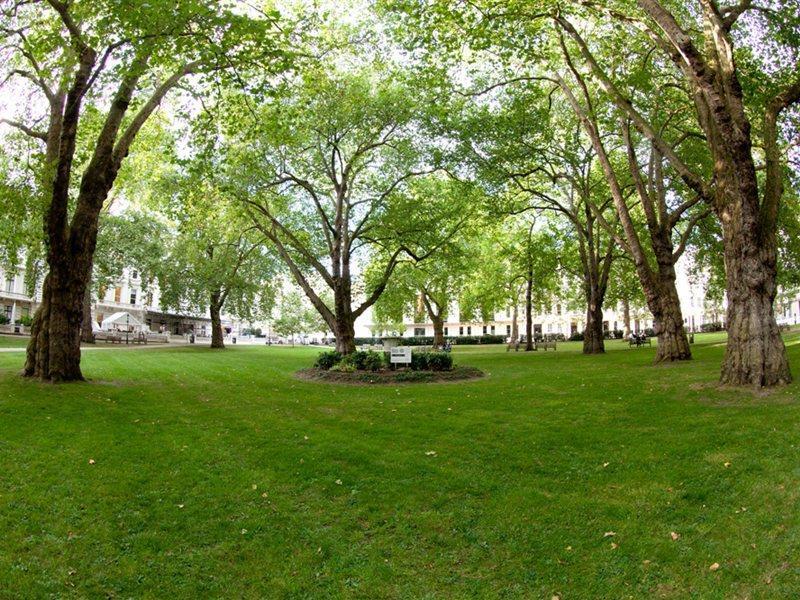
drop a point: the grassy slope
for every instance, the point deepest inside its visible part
(515, 503)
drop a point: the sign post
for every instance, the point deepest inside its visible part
(400, 355)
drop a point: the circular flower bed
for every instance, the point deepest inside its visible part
(375, 367)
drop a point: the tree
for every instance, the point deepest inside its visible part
(217, 260)
(133, 240)
(702, 45)
(429, 288)
(295, 316)
(738, 92)
(547, 165)
(80, 55)
(324, 172)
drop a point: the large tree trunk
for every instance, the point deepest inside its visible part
(529, 312)
(438, 331)
(755, 353)
(593, 342)
(215, 308)
(87, 329)
(626, 316)
(436, 315)
(673, 343)
(515, 322)
(54, 351)
(345, 336)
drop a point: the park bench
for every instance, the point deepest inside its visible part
(545, 346)
(108, 337)
(639, 341)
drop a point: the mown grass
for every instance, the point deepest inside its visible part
(217, 474)
(13, 341)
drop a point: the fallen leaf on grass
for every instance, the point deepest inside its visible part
(91, 461)
(614, 546)
(714, 567)
(726, 465)
(609, 534)
(674, 536)
(430, 453)
(338, 482)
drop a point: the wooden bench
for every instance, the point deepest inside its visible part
(108, 337)
(639, 342)
(544, 346)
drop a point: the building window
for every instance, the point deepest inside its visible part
(118, 294)
(469, 329)
(7, 310)
(492, 329)
(135, 275)
(461, 330)
(26, 311)
(133, 296)
(10, 284)
(484, 330)
(508, 329)
(419, 331)
(446, 331)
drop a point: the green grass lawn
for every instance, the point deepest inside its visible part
(189, 473)
(13, 341)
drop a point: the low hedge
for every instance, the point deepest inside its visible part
(331, 360)
(426, 340)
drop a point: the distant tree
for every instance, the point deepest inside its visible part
(324, 172)
(217, 260)
(100, 71)
(296, 316)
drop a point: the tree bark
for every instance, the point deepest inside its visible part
(345, 337)
(215, 308)
(755, 354)
(529, 311)
(87, 328)
(515, 322)
(436, 315)
(593, 342)
(438, 332)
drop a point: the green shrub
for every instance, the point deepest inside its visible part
(419, 361)
(328, 359)
(26, 321)
(373, 361)
(4, 320)
(346, 366)
(440, 361)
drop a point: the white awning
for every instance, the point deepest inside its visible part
(121, 321)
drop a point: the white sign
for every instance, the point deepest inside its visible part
(400, 354)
